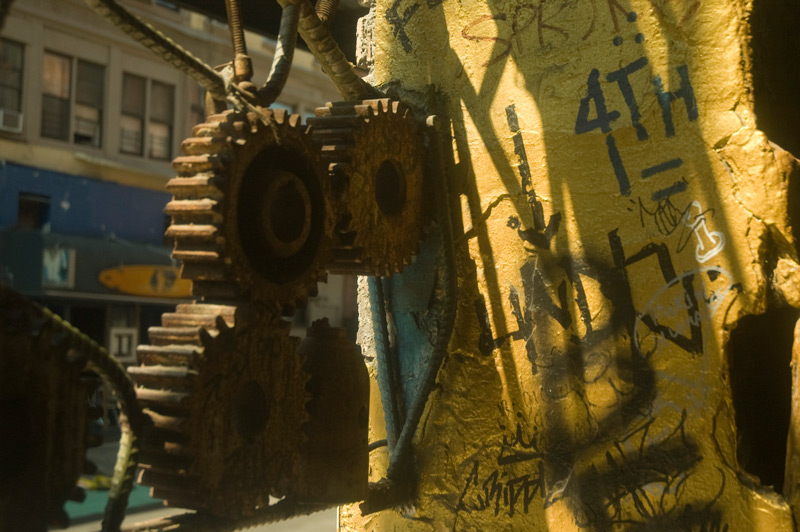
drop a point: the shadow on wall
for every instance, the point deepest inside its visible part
(675, 185)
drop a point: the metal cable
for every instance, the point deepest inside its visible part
(103, 363)
(284, 54)
(385, 375)
(449, 284)
(327, 52)
(161, 45)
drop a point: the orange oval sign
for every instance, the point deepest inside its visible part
(147, 280)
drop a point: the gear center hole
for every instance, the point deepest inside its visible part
(288, 214)
(390, 188)
(250, 410)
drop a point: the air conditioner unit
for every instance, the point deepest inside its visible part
(10, 121)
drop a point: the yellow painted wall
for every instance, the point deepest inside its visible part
(586, 382)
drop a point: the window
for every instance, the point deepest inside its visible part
(11, 55)
(55, 96)
(33, 212)
(65, 116)
(132, 122)
(88, 103)
(137, 118)
(161, 111)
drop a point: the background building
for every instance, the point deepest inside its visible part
(89, 123)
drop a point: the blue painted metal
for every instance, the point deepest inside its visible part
(85, 207)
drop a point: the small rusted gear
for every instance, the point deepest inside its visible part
(375, 153)
(249, 217)
(225, 389)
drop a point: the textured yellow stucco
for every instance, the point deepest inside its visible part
(586, 382)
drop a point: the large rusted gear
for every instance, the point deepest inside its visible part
(249, 217)
(226, 391)
(375, 153)
(44, 414)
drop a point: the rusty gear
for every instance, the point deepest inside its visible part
(225, 390)
(376, 161)
(44, 415)
(249, 218)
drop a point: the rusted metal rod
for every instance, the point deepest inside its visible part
(327, 52)
(242, 65)
(161, 45)
(284, 54)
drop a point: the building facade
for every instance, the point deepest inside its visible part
(89, 123)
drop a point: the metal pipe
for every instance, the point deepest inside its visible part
(284, 54)
(327, 52)
(385, 376)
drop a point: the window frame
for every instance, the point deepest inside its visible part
(147, 120)
(74, 102)
(20, 74)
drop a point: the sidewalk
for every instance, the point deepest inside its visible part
(87, 516)
(318, 522)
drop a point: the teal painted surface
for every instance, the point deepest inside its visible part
(412, 302)
(94, 505)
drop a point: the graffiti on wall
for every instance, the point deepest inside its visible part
(582, 348)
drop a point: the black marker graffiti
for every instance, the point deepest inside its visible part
(400, 21)
(604, 118)
(539, 235)
(665, 99)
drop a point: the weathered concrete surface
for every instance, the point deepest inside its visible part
(621, 213)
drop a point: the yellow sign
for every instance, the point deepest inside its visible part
(147, 280)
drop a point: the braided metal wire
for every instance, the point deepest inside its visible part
(327, 52)
(161, 45)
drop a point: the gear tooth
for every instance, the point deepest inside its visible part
(175, 355)
(201, 186)
(182, 319)
(295, 121)
(197, 255)
(178, 378)
(279, 115)
(199, 211)
(189, 337)
(207, 144)
(197, 232)
(193, 164)
(167, 402)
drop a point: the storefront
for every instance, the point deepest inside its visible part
(113, 291)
